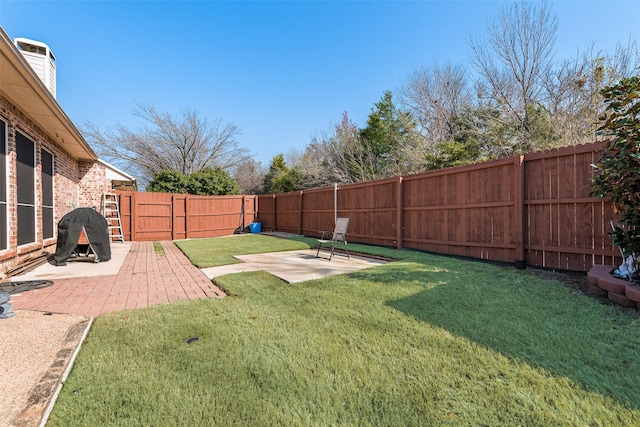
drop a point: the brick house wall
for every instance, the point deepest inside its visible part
(79, 183)
(93, 184)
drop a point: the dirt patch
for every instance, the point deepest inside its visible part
(578, 283)
(37, 351)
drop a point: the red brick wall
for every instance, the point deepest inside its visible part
(93, 184)
(75, 183)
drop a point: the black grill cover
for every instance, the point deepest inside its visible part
(96, 230)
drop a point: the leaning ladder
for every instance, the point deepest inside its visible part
(111, 212)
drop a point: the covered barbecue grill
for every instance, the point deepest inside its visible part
(83, 231)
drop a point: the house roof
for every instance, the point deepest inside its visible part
(113, 173)
(22, 87)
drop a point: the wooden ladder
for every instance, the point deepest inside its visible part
(111, 211)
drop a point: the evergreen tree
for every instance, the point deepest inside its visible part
(280, 178)
(388, 135)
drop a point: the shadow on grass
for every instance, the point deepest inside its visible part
(527, 318)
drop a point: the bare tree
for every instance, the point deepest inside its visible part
(573, 90)
(337, 155)
(573, 99)
(625, 62)
(435, 96)
(513, 59)
(250, 176)
(186, 144)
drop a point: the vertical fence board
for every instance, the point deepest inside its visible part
(179, 216)
(399, 214)
(516, 224)
(266, 213)
(124, 204)
(250, 209)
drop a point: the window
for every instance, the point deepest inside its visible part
(25, 177)
(47, 194)
(4, 227)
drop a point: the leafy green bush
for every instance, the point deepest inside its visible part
(618, 166)
(212, 182)
(169, 181)
(206, 182)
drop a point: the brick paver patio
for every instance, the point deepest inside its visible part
(146, 278)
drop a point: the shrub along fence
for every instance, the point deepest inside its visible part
(162, 216)
(531, 209)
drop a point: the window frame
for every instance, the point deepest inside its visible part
(44, 206)
(4, 184)
(33, 202)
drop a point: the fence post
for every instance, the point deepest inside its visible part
(275, 213)
(134, 214)
(173, 216)
(519, 212)
(124, 205)
(177, 207)
(186, 216)
(399, 214)
(335, 202)
(256, 207)
(300, 207)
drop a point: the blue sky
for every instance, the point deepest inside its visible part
(281, 71)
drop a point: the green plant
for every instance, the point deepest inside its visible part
(281, 178)
(217, 251)
(205, 182)
(619, 162)
(211, 182)
(158, 249)
(169, 181)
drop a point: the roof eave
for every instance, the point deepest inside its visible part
(23, 88)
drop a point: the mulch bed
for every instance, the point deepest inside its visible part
(578, 282)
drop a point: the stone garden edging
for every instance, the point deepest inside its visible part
(619, 291)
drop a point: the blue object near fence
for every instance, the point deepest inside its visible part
(255, 227)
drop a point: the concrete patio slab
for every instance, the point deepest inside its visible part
(300, 266)
(80, 267)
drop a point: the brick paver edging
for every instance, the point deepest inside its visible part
(146, 278)
(617, 290)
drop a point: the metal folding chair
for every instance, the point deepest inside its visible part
(339, 235)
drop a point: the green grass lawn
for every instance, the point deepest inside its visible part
(205, 253)
(426, 340)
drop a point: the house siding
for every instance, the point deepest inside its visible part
(75, 183)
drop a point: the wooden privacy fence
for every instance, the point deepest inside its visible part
(162, 216)
(533, 209)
